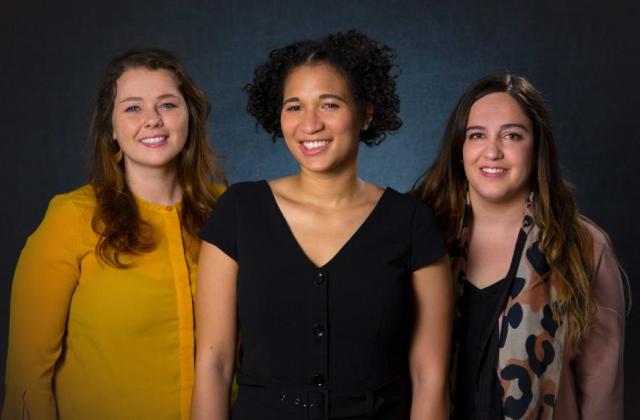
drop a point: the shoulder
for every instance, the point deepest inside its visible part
(67, 215)
(241, 194)
(601, 242)
(73, 203)
(607, 284)
(217, 189)
(407, 204)
(246, 187)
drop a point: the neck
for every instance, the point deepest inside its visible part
(155, 185)
(328, 189)
(498, 215)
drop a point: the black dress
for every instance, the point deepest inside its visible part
(323, 342)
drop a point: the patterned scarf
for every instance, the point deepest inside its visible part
(531, 330)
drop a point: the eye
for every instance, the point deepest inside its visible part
(330, 105)
(293, 108)
(513, 136)
(475, 135)
(168, 105)
(132, 108)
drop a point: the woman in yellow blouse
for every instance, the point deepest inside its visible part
(101, 306)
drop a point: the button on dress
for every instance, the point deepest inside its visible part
(323, 342)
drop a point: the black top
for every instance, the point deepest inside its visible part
(343, 328)
(476, 369)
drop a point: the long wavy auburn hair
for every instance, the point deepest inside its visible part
(565, 240)
(117, 218)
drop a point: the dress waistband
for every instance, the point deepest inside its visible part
(321, 403)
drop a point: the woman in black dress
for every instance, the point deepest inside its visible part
(337, 290)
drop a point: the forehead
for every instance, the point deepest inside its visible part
(141, 82)
(315, 79)
(497, 108)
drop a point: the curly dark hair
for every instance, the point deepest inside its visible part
(366, 64)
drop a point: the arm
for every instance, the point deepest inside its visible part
(216, 334)
(598, 365)
(44, 281)
(430, 348)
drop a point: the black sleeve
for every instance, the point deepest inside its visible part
(427, 245)
(221, 227)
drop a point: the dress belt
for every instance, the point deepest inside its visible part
(320, 403)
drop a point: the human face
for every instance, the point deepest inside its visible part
(320, 120)
(498, 150)
(150, 118)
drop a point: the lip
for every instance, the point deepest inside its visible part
(493, 171)
(158, 140)
(315, 150)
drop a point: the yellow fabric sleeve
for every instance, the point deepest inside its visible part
(45, 278)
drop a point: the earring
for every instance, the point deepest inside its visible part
(365, 127)
(117, 156)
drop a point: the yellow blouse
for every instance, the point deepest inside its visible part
(89, 341)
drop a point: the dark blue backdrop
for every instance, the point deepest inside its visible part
(583, 55)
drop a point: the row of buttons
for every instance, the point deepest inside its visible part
(319, 330)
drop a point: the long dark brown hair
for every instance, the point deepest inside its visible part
(565, 240)
(117, 218)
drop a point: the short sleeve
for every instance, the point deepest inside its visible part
(221, 227)
(427, 245)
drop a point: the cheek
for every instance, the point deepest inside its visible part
(184, 125)
(287, 125)
(525, 157)
(124, 127)
(469, 154)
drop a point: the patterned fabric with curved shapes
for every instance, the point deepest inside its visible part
(531, 329)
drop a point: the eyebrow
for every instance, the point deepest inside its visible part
(137, 98)
(502, 127)
(323, 96)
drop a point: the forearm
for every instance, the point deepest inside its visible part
(430, 349)
(211, 393)
(598, 367)
(429, 401)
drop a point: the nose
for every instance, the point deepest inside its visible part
(493, 151)
(153, 119)
(311, 122)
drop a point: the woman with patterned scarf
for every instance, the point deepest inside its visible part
(540, 319)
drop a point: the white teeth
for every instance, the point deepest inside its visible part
(493, 170)
(310, 145)
(153, 140)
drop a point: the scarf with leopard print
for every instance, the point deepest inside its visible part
(531, 331)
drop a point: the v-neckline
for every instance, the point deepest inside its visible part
(345, 245)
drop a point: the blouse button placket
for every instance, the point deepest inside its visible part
(318, 328)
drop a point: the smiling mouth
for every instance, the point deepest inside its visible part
(492, 170)
(315, 144)
(153, 140)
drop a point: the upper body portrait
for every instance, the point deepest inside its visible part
(102, 298)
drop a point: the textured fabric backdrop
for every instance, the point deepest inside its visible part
(583, 55)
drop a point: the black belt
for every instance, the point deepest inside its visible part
(319, 403)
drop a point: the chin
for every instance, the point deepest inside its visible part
(498, 197)
(156, 163)
(314, 165)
